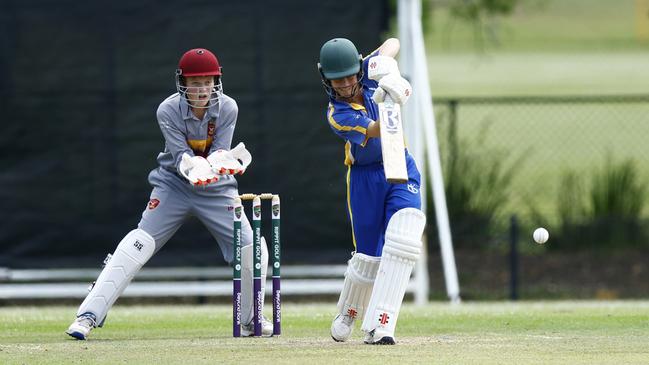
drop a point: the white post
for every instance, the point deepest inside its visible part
(418, 116)
(416, 148)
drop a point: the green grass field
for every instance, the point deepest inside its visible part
(541, 73)
(546, 47)
(546, 26)
(471, 333)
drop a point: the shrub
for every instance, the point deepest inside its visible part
(607, 214)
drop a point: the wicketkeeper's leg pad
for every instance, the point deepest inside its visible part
(135, 249)
(357, 288)
(400, 253)
(247, 276)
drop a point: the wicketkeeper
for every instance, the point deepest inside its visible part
(195, 177)
(386, 219)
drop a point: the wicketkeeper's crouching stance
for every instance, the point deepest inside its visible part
(195, 177)
(387, 223)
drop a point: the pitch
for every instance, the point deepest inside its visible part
(583, 332)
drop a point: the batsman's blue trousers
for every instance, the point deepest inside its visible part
(371, 202)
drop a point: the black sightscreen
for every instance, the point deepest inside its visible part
(80, 85)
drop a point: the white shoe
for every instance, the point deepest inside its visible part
(378, 338)
(249, 329)
(82, 326)
(342, 327)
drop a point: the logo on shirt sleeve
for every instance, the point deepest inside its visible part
(153, 203)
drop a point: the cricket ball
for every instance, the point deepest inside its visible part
(540, 235)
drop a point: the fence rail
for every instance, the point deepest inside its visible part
(549, 99)
(297, 280)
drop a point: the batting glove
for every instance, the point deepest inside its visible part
(394, 85)
(380, 66)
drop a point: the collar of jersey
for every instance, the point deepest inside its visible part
(356, 106)
(351, 105)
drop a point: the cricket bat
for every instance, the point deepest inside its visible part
(392, 147)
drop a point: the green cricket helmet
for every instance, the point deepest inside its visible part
(338, 59)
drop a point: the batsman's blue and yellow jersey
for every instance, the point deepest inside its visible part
(350, 122)
(371, 200)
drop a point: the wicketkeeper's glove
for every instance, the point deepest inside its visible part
(230, 162)
(197, 170)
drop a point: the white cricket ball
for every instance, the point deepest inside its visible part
(541, 235)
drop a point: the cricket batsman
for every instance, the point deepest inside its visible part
(195, 177)
(386, 219)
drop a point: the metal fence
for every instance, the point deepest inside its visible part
(541, 139)
(299, 281)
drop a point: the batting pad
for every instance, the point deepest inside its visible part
(135, 249)
(246, 279)
(359, 280)
(400, 253)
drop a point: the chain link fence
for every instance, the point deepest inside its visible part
(516, 155)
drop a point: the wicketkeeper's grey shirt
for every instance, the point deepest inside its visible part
(183, 132)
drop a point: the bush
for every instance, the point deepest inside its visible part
(607, 214)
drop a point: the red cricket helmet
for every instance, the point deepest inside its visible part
(199, 62)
